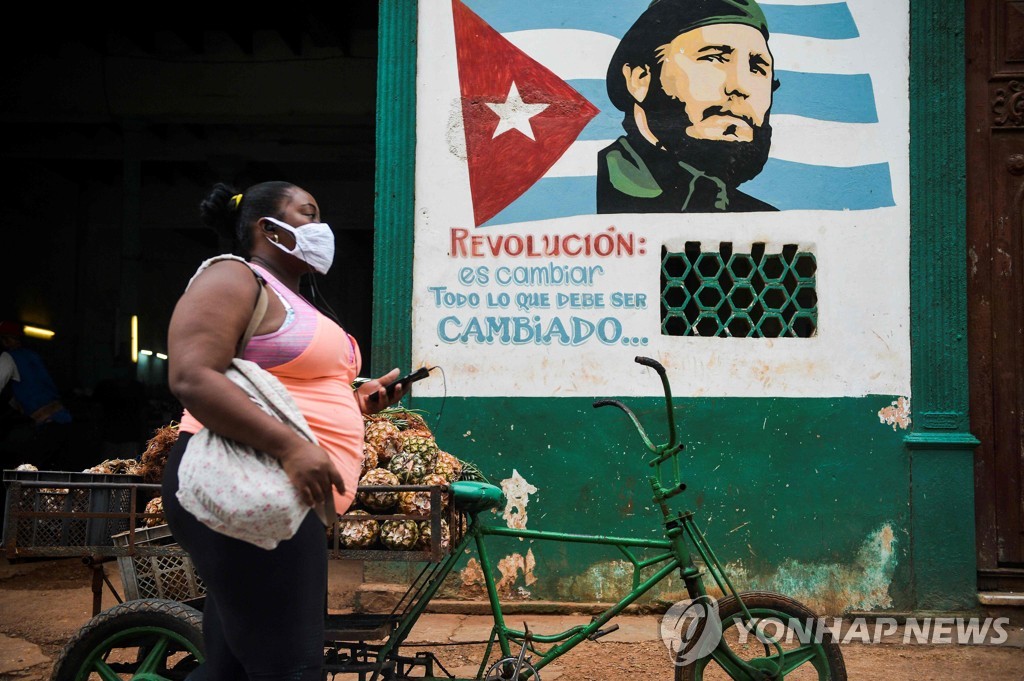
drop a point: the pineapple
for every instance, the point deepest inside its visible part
(405, 420)
(383, 435)
(415, 460)
(409, 434)
(154, 459)
(418, 503)
(116, 467)
(425, 532)
(414, 504)
(358, 534)
(415, 422)
(378, 501)
(371, 458)
(399, 535)
(155, 505)
(447, 466)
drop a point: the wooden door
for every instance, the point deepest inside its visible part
(995, 233)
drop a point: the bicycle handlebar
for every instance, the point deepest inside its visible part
(648, 362)
(671, 446)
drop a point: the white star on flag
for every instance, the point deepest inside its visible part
(515, 114)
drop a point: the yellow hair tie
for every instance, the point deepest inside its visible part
(235, 200)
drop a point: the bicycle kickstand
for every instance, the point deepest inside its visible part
(501, 669)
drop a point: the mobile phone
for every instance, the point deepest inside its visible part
(406, 380)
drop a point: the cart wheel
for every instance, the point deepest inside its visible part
(148, 640)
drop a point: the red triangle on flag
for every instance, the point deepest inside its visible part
(519, 117)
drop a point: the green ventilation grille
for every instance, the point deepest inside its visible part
(743, 295)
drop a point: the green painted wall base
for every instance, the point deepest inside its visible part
(816, 498)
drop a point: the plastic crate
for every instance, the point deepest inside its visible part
(168, 575)
(64, 511)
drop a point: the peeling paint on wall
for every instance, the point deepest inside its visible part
(603, 581)
(510, 566)
(517, 495)
(896, 414)
(515, 575)
(826, 588)
(472, 578)
(832, 588)
(608, 581)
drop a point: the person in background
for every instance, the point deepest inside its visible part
(9, 416)
(264, 611)
(41, 435)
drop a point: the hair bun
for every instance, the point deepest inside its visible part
(218, 210)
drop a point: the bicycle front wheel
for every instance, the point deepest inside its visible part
(151, 639)
(808, 653)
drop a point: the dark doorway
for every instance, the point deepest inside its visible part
(112, 136)
(995, 241)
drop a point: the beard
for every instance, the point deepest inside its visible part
(732, 162)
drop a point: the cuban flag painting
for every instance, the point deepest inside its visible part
(538, 115)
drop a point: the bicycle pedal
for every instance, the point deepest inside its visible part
(603, 632)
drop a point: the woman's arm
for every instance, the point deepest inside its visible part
(207, 323)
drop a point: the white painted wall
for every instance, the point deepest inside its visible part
(862, 345)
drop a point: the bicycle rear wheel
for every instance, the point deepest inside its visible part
(809, 654)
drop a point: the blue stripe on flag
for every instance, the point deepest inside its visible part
(549, 198)
(828, 20)
(799, 186)
(784, 184)
(832, 21)
(844, 98)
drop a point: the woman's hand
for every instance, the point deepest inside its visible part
(375, 386)
(311, 472)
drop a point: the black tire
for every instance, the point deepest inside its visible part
(160, 637)
(827, 663)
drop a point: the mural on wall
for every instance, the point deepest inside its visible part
(722, 184)
(694, 81)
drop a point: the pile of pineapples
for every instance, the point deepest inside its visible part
(399, 449)
(149, 467)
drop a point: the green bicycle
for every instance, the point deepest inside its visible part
(753, 636)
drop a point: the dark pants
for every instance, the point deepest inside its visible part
(264, 612)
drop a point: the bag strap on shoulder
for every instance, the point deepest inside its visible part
(259, 310)
(262, 299)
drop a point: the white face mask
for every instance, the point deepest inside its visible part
(314, 244)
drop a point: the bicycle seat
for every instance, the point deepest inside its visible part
(473, 497)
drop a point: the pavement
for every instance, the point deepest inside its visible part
(43, 603)
(465, 629)
(18, 655)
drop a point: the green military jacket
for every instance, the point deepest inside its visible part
(657, 183)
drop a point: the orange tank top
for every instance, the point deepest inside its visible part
(320, 380)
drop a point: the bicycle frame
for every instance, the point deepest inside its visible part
(675, 553)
